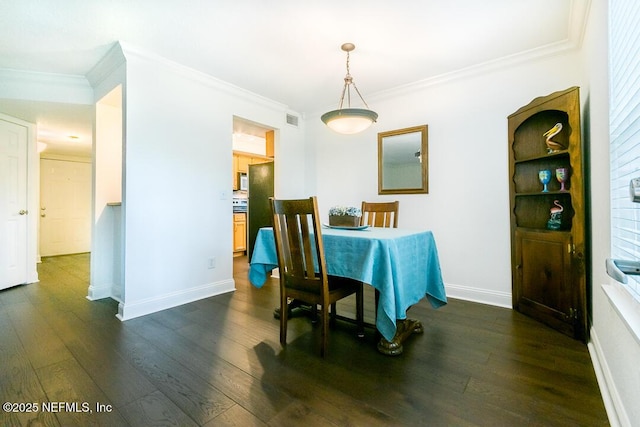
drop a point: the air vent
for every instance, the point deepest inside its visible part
(292, 120)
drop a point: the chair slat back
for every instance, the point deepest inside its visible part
(384, 214)
(299, 246)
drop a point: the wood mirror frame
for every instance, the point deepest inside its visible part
(403, 161)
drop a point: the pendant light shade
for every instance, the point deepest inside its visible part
(349, 120)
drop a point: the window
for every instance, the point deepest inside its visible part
(624, 121)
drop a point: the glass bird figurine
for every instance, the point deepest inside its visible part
(553, 146)
(555, 220)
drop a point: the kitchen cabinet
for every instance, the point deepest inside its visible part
(270, 144)
(243, 163)
(239, 233)
(240, 165)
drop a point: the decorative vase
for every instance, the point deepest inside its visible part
(344, 220)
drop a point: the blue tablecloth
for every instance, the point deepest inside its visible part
(402, 264)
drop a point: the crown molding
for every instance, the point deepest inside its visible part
(576, 28)
(48, 87)
(107, 66)
(578, 19)
(475, 70)
(200, 77)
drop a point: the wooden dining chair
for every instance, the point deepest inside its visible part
(384, 214)
(380, 214)
(303, 270)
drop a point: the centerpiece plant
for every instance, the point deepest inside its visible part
(345, 216)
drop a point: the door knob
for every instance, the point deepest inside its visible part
(23, 212)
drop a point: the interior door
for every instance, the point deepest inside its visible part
(65, 207)
(13, 204)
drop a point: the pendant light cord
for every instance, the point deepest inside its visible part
(348, 81)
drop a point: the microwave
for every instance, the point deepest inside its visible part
(243, 181)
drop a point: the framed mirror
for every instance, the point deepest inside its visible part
(403, 161)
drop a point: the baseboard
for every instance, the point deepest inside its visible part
(483, 296)
(33, 277)
(131, 310)
(612, 403)
(99, 292)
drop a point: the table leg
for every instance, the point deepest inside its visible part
(404, 329)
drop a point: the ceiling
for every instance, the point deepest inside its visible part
(285, 50)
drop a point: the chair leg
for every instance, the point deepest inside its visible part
(284, 314)
(325, 330)
(333, 314)
(375, 311)
(360, 311)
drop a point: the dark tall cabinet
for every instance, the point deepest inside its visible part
(261, 187)
(549, 246)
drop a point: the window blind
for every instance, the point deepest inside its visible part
(624, 125)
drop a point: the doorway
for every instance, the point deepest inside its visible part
(253, 144)
(62, 131)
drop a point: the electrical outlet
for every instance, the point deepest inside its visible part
(212, 262)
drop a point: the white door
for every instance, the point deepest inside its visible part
(13, 204)
(65, 207)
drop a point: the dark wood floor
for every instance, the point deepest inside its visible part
(218, 362)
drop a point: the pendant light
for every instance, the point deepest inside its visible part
(349, 120)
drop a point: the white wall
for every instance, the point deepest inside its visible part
(467, 207)
(615, 351)
(178, 164)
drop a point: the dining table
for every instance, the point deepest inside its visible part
(401, 264)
